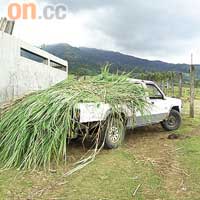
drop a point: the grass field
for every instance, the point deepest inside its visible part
(186, 92)
(148, 166)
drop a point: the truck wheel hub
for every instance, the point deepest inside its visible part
(114, 134)
(172, 121)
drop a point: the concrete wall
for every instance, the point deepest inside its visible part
(19, 75)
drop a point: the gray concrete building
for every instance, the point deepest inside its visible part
(24, 68)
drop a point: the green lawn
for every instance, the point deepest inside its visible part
(189, 156)
(147, 167)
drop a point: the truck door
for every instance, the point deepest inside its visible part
(157, 110)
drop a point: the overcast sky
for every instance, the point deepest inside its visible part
(154, 29)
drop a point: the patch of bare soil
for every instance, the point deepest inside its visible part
(152, 145)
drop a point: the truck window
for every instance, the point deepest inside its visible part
(153, 92)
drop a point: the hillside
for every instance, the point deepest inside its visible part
(89, 60)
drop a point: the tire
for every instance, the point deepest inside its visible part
(173, 122)
(114, 133)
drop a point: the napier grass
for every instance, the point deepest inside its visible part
(35, 131)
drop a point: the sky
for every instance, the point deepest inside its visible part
(153, 29)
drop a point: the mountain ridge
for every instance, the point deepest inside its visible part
(89, 61)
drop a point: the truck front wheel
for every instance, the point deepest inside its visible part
(114, 133)
(173, 122)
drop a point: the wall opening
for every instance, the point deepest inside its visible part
(33, 56)
(57, 65)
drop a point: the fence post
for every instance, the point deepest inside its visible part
(162, 85)
(167, 87)
(172, 82)
(192, 90)
(180, 85)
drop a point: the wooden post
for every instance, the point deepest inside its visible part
(192, 88)
(162, 85)
(167, 91)
(180, 85)
(172, 82)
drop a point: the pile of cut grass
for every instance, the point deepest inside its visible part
(35, 131)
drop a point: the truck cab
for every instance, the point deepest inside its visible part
(160, 105)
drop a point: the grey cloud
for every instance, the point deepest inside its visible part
(80, 5)
(143, 26)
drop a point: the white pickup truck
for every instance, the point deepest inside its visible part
(162, 109)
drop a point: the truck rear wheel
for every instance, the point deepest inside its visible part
(114, 133)
(173, 122)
